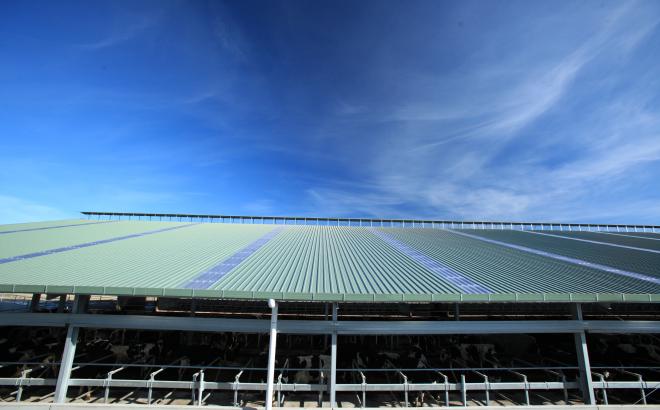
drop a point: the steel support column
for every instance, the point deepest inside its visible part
(67, 356)
(586, 383)
(271, 354)
(333, 359)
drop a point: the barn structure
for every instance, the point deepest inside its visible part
(161, 309)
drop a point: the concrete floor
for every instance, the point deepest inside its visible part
(75, 406)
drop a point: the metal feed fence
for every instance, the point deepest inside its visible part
(438, 383)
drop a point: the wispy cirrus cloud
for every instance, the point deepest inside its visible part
(498, 153)
(121, 34)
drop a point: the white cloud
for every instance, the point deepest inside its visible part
(121, 35)
(451, 158)
(339, 203)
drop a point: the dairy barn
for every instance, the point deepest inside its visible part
(174, 310)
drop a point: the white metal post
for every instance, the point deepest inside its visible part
(200, 398)
(271, 354)
(333, 358)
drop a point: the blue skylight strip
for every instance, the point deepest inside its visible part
(54, 227)
(208, 278)
(635, 248)
(88, 244)
(459, 280)
(625, 235)
(564, 258)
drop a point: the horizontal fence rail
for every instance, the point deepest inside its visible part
(371, 222)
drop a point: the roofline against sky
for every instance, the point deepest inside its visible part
(306, 220)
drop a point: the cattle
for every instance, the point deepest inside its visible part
(324, 360)
(306, 356)
(478, 353)
(184, 362)
(305, 361)
(120, 352)
(652, 350)
(389, 355)
(303, 376)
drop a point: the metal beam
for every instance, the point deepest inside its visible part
(271, 354)
(333, 359)
(309, 327)
(586, 383)
(67, 356)
(493, 327)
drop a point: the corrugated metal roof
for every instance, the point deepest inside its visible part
(332, 260)
(653, 236)
(613, 238)
(505, 270)
(631, 260)
(29, 240)
(324, 262)
(11, 228)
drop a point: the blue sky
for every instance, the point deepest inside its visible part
(544, 110)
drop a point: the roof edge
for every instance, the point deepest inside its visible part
(338, 297)
(375, 221)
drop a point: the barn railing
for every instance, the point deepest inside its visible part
(438, 382)
(370, 222)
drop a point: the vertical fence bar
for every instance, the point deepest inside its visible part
(200, 397)
(271, 354)
(333, 358)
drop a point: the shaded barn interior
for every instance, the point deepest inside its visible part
(115, 365)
